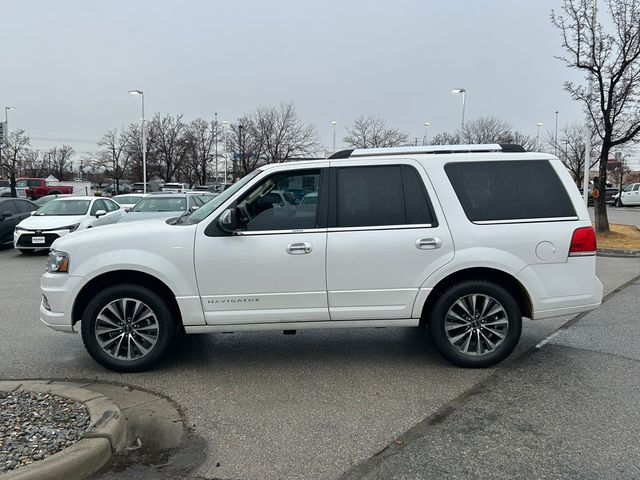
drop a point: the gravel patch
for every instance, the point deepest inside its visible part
(36, 425)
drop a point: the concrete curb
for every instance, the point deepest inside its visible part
(618, 252)
(105, 435)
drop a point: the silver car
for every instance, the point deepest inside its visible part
(162, 206)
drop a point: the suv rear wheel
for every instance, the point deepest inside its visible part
(475, 323)
(127, 328)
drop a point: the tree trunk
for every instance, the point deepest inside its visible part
(12, 182)
(599, 204)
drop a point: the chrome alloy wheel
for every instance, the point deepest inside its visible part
(476, 324)
(126, 329)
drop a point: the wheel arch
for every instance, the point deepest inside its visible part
(505, 280)
(108, 279)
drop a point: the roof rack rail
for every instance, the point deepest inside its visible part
(431, 149)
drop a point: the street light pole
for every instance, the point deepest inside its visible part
(462, 92)
(555, 139)
(334, 123)
(226, 149)
(6, 134)
(144, 141)
(425, 141)
(215, 132)
(539, 125)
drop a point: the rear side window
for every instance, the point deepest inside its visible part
(509, 190)
(379, 196)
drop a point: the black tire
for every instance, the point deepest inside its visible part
(487, 292)
(166, 328)
(618, 203)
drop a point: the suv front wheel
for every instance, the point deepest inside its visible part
(127, 328)
(475, 323)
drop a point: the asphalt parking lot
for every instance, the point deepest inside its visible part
(321, 404)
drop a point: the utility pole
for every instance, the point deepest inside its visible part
(241, 151)
(555, 138)
(215, 133)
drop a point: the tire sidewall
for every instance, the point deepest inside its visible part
(166, 326)
(449, 297)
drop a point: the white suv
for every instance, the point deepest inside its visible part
(464, 240)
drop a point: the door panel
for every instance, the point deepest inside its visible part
(377, 274)
(386, 237)
(273, 268)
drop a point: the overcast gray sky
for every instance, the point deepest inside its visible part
(67, 65)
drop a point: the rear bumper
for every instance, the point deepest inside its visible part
(563, 289)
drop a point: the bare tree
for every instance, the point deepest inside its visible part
(114, 155)
(446, 138)
(59, 160)
(13, 154)
(34, 164)
(170, 148)
(283, 134)
(486, 130)
(246, 147)
(610, 61)
(200, 139)
(373, 132)
(622, 171)
(570, 149)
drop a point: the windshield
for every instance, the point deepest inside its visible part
(161, 204)
(211, 205)
(126, 199)
(64, 207)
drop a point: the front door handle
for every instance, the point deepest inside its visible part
(428, 243)
(299, 248)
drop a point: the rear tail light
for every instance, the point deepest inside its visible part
(583, 242)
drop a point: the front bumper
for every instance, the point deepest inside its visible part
(23, 239)
(60, 291)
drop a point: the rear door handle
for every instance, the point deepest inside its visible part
(428, 243)
(299, 248)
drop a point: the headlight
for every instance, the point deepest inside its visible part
(71, 228)
(58, 262)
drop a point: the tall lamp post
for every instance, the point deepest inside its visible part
(144, 141)
(462, 92)
(6, 127)
(539, 125)
(334, 123)
(555, 137)
(425, 141)
(226, 149)
(215, 132)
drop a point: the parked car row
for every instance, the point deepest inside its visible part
(32, 226)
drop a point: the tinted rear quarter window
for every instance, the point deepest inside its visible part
(509, 190)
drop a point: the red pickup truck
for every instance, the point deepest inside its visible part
(35, 188)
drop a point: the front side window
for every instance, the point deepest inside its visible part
(268, 206)
(380, 196)
(98, 205)
(509, 190)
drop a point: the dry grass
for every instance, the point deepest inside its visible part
(623, 237)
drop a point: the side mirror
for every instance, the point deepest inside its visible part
(5, 214)
(227, 221)
(100, 213)
(33, 212)
(128, 209)
(194, 208)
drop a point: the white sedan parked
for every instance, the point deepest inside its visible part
(62, 216)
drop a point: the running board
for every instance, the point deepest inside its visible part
(243, 327)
